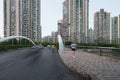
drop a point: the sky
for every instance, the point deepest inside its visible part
(51, 12)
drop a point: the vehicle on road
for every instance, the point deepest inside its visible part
(49, 46)
(74, 46)
(37, 46)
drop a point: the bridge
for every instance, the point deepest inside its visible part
(37, 63)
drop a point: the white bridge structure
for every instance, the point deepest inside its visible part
(61, 45)
(13, 37)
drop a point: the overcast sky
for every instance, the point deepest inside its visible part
(51, 12)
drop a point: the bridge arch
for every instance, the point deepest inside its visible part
(13, 37)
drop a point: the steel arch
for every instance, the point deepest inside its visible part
(13, 37)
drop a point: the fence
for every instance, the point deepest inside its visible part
(102, 51)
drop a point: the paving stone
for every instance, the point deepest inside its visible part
(98, 67)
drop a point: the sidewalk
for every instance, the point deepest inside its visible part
(98, 67)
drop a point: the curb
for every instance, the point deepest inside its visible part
(85, 75)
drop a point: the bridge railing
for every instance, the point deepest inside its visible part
(102, 51)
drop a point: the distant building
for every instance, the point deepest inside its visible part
(54, 37)
(90, 35)
(22, 18)
(47, 39)
(102, 27)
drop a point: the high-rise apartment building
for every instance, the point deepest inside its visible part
(102, 27)
(76, 16)
(119, 29)
(22, 18)
(115, 29)
(82, 23)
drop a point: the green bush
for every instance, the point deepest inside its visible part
(57, 45)
(45, 44)
(9, 47)
(100, 44)
(68, 43)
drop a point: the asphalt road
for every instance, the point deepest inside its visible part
(34, 64)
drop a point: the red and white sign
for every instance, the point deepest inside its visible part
(64, 31)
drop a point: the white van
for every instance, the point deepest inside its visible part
(73, 46)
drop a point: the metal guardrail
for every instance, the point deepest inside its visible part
(102, 51)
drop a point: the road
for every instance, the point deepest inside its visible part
(34, 64)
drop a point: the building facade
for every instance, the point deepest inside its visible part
(22, 18)
(65, 25)
(77, 19)
(102, 27)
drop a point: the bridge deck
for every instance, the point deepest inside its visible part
(98, 67)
